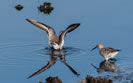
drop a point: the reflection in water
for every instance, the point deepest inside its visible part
(106, 66)
(54, 54)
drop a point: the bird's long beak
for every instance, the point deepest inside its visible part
(93, 48)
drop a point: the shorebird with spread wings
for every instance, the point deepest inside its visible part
(56, 41)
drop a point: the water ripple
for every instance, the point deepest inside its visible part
(16, 54)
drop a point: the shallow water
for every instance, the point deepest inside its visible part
(23, 46)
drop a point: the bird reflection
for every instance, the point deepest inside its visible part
(106, 66)
(54, 55)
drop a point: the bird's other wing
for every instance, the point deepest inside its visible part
(70, 28)
(49, 30)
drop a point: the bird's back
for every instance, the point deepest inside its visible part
(109, 52)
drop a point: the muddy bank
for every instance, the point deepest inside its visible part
(46, 8)
(90, 79)
(19, 7)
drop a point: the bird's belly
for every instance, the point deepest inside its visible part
(111, 55)
(56, 46)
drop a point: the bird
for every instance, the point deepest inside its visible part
(56, 41)
(106, 52)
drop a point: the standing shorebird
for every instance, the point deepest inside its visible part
(107, 52)
(56, 41)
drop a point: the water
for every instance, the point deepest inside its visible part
(22, 45)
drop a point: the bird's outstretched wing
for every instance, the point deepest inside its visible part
(67, 30)
(49, 30)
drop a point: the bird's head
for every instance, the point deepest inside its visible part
(99, 46)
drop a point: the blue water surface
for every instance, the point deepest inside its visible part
(23, 46)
